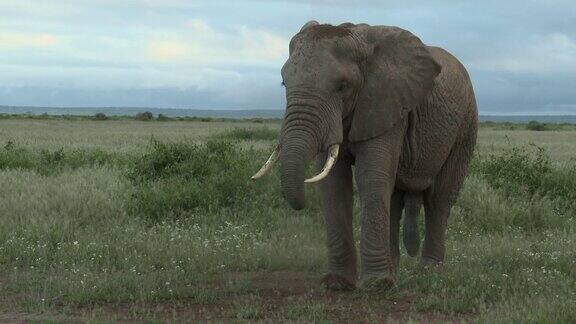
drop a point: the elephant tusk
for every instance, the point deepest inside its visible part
(330, 160)
(268, 165)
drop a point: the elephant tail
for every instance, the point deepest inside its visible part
(412, 204)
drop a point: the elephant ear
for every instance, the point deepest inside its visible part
(399, 74)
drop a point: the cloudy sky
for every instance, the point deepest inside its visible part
(216, 54)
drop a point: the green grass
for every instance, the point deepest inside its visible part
(247, 134)
(149, 222)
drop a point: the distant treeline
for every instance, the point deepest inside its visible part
(524, 119)
(131, 111)
(141, 116)
(238, 114)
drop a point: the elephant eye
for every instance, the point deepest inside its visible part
(342, 86)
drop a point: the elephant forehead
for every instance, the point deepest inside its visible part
(308, 69)
(308, 59)
(304, 45)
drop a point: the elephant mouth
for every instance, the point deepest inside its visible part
(331, 158)
(292, 175)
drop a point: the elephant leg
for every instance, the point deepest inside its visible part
(376, 166)
(396, 207)
(337, 205)
(436, 215)
(438, 199)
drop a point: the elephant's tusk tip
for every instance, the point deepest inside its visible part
(330, 160)
(313, 180)
(268, 165)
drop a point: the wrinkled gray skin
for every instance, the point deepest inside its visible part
(404, 115)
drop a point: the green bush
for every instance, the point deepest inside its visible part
(144, 116)
(174, 178)
(100, 116)
(247, 134)
(536, 126)
(12, 157)
(515, 170)
(527, 170)
(162, 117)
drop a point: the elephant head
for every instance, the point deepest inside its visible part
(345, 83)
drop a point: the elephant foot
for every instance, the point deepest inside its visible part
(428, 262)
(377, 283)
(338, 282)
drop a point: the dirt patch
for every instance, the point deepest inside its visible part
(259, 296)
(280, 289)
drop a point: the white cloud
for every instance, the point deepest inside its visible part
(550, 53)
(32, 8)
(19, 40)
(167, 50)
(198, 43)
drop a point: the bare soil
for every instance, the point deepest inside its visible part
(279, 296)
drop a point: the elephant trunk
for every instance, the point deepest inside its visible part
(297, 149)
(299, 143)
(311, 124)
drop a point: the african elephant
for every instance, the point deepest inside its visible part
(403, 114)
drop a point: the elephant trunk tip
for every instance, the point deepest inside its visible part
(297, 205)
(294, 194)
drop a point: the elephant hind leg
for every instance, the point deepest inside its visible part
(439, 198)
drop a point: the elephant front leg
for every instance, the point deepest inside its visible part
(396, 207)
(337, 209)
(376, 165)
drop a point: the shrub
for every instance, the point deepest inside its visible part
(246, 134)
(520, 170)
(516, 169)
(100, 116)
(536, 126)
(162, 117)
(12, 157)
(144, 116)
(174, 178)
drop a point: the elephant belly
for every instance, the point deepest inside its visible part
(419, 168)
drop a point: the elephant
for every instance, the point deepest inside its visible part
(376, 105)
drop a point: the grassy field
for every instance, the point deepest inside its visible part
(158, 221)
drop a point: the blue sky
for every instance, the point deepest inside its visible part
(216, 54)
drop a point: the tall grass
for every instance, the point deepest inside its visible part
(52, 161)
